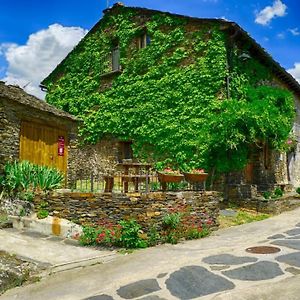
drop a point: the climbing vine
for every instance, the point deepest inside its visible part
(171, 98)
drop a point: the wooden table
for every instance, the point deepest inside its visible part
(136, 177)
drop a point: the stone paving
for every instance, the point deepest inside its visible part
(217, 273)
(217, 267)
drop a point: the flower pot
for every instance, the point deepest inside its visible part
(195, 177)
(174, 178)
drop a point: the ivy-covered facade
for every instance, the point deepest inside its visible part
(187, 92)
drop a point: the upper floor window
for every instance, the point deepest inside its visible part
(143, 40)
(115, 59)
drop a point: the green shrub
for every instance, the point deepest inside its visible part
(153, 236)
(278, 192)
(23, 178)
(298, 190)
(26, 195)
(267, 195)
(42, 213)
(172, 220)
(88, 236)
(130, 235)
(196, 233)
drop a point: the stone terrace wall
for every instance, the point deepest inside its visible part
(270, 206)
(147, 209)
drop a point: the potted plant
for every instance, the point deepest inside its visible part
(196, 176)
(169, 175)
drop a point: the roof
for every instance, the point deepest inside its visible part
(237, 33)
(16, 94)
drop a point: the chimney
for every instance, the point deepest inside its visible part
(116, 5)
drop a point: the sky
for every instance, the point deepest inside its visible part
(36, 35)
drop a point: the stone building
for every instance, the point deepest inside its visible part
(102, 68)
(33, 130)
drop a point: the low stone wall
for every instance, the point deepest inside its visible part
(270, 206)
(147, 209)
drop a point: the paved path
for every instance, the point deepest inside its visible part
(54, 254)
(217, 267)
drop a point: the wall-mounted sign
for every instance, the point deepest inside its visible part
(61, 146)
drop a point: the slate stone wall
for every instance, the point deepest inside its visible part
(270, 206)
(99, 159)
(147, 209)
(9, 133)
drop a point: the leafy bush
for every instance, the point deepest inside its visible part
(278, 192)
(267, 195)
(298, 190)
(125, 234)
(181, 223)
(42, 213)
(130, 235)
(153, 236)
(23, 178)
(172, 220)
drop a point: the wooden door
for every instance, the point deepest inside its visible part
(40, 145)
(248, 171)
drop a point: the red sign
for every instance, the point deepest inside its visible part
(61, 146)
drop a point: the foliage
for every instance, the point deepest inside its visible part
(125, 234)
(26, 195)
(24, 178)
(153, 236)
(277, 193)
(171, 96)
(172, 220)
(267, 194)
(298, 190)
(130, 235)
(180, 223)
(43, 212)
(105, 234)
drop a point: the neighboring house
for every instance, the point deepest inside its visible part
(33, 130)
(105, 61)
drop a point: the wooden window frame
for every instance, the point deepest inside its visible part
(143, 40)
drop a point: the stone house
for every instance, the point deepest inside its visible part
(33, 130)
(106, 62)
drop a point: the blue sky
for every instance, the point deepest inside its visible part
(275, 24)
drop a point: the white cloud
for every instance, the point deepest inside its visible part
(294, 31)
(264, 17)
(295, 71)
(30, 63)
(281, 35)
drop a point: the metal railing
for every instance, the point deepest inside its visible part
(130, 183)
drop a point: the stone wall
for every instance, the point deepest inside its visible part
(9, 133)
(147, 209)
(270, 206)
(98, 159)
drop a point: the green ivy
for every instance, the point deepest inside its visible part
(171, 98)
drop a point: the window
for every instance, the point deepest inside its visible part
(115, 59)
(143, 41)
(125, 151)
